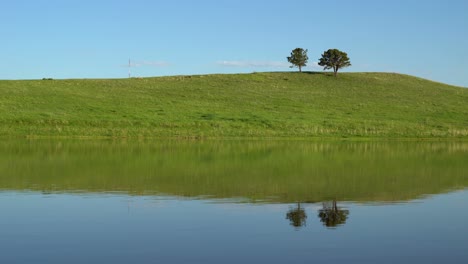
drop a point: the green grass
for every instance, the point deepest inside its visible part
(367, 105)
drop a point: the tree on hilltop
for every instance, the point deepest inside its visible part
(334, 59)
(298, 58)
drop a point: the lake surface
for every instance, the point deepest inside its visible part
(88, 201)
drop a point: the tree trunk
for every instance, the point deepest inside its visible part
(300, 68)
(335, 70)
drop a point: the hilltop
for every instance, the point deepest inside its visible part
(382, 105)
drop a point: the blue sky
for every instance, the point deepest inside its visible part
(95, 38)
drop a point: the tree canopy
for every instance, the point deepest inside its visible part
(334, 59)
(298, 58)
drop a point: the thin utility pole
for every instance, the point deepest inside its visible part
(129, 66)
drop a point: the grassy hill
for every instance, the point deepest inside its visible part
(239, 105)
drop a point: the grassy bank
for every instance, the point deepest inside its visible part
(241, 105)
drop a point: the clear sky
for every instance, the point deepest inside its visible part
(96, 38)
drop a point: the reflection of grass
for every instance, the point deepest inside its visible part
(284, 171)
(243, 105)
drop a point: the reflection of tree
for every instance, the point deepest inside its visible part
(332, 216)
(297, 216)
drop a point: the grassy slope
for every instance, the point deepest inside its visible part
(260, 104)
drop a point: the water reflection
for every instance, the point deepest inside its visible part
(256, 171)
(205, 202)
(331, 215)
(117, 228)
(297, 216)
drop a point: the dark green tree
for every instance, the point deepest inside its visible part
(297, 216)
(298, 58)
(332, 216)
(334, 59)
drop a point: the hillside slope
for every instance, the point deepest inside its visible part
(238, 105)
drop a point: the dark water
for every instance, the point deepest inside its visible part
(233, 202)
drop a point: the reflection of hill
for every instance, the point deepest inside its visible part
(284, 171)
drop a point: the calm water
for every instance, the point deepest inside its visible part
(233, 202)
